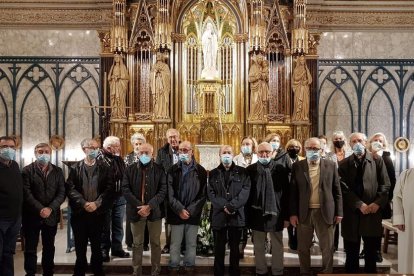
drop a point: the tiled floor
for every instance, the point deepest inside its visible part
(291, 258)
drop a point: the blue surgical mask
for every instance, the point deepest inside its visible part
(312, 155)
(8, 153)
(93, 154)
(43, 159)
(264, 161)
(358, 149)
(226, 159)
(184, 157)
(246, 150)
(275, 145)
(145, 159)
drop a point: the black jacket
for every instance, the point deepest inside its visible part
(155, 190)
(233, 197)
(74, 188)
(117, 166)
(389, 165)
(197, 177)
(165, 157)
(40, 193)
(255, 219)
(376, 184)
(11, 191)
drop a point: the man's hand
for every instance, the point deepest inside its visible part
(184, 214)
(364, 209)
(338, 219)
(90, 207)
(227, 211)
(144, 210)
(373, 208)
(400, 227)
(294, 220)
(45, 212)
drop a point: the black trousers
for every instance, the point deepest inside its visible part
(88, 226)
(352, 255)
(231, 235)
(32, 226)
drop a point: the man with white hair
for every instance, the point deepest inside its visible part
(315, 205)
(365, 184)
(137, 139)
(268, 208)
(110, 156)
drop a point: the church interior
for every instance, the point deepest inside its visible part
(215, 70)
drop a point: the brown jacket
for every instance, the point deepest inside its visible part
(376, 185)
(330, 194)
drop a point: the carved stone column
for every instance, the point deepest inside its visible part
(312, 63)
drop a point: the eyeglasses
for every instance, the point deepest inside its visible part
(184, 150)
(312, 148)
(91, 148)
(7, 146)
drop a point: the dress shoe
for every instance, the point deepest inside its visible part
(120, 254)
(165, 250)
(378, 257)
(146, 248)
(174, 271)
(105, 256)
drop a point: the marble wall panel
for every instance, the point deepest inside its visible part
(51, 96)
(366, 45)
(377, 95)
(34, 124)
(58, 43)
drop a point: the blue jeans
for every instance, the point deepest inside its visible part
(178, 232)
(9, 229)
(114, 219)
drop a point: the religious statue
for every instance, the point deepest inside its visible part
(259, 88)
(302, 78)
(209, 43)
(161, 87)
(118, 80)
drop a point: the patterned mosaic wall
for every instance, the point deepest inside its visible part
(368, 96)
(43, 96)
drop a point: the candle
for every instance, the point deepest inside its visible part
(104, 88)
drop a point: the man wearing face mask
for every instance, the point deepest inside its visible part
(315, 205)
(167, 156)
(137, 139)
(89, 188)
(113, 231)
(11, 199)
(228, 190)
(365, 185)
(144, 186)
(268, 208)
(44, 192)
(186, 196)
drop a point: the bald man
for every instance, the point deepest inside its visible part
(144, 186)
(228, 190)
(187, 182)
(268, 208)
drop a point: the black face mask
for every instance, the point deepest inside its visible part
(339, 144)
(293, 152)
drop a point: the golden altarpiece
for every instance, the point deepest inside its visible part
(191, 67)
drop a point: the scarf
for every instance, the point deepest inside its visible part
(265, 194)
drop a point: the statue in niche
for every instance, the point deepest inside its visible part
(118, 80)
(302, 78)
(161, 87)
(259, 88)
(209, 43)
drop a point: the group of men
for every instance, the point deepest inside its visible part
(266, 197)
